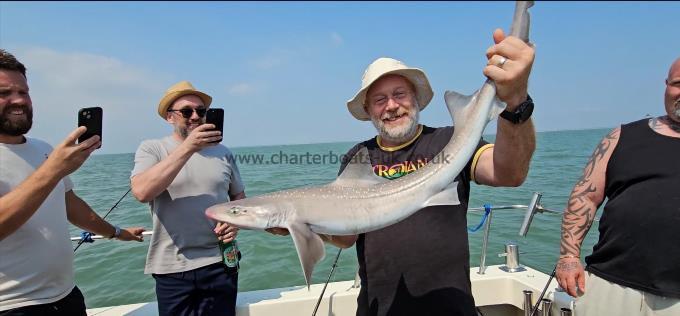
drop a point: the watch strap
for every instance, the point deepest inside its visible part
(116, 232)
(522, 112)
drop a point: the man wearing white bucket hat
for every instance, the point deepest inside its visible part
(180, 176)
(420, 266)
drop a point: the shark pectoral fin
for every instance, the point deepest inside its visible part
(447, 197)
(457, 103)
(359, 172)
(309, 247)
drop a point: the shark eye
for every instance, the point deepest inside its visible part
(234, 210)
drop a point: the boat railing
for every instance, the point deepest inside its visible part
(146, 233)
(531, 209)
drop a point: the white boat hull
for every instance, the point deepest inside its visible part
(496, 293)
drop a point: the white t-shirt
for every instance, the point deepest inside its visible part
(36, 261)
(183, 237)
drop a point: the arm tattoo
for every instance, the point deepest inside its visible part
(568, 266)
(580, 212)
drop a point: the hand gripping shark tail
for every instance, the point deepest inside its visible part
(454, 100)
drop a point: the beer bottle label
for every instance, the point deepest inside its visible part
(229, 254)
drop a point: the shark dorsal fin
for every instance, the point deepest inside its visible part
(359, 172)
(458, 104)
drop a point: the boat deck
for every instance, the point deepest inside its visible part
(496, 292)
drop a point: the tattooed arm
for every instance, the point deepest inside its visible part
(585, 199)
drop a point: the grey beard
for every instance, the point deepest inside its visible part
(398, 135)
(182, 131)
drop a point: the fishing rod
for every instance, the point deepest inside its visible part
(335, 264)
(540, 298)
(87, 236)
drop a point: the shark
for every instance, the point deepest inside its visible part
(359, 201)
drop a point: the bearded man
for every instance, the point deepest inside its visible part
(180, 176)
(420, 266)
(36, 204)
(633, 265)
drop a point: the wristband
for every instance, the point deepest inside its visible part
(569, 256)
(116, 233)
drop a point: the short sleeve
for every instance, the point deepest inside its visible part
(472, 164)
(68, 184)
(236, 186)
(146, 156)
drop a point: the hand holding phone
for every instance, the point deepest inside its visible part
(92, 119)
(216, 117)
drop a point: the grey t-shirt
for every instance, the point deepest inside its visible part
(36, 260)
(183, 237)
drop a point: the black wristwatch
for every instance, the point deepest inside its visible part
(521, 113)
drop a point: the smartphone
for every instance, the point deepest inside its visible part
(92, 119)
(216, 117)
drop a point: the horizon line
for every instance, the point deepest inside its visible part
(357, 141)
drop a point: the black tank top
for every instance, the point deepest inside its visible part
(638, 245)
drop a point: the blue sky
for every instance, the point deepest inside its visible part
(284, 70)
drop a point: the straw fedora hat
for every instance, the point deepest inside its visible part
(386, 66)
(178, 90)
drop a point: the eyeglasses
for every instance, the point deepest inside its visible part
(399, 96)
(187, 112)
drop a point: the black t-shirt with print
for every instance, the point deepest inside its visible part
(419, 266)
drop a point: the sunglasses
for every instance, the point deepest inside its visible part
(187, 112)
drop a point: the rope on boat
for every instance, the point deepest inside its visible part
(86, 237)
(487, 210)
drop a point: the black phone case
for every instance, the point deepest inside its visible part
(92, 119)
(216, 117)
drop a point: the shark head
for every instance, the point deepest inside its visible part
(243, 214)
(266, 212)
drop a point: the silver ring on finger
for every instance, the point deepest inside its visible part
(501, 62)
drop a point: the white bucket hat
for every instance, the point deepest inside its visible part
(386, 66)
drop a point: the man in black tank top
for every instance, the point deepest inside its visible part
(420, 266)
(635, 266)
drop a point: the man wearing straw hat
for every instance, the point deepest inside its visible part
(180, 176)
(36, 204)
(420, 266)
